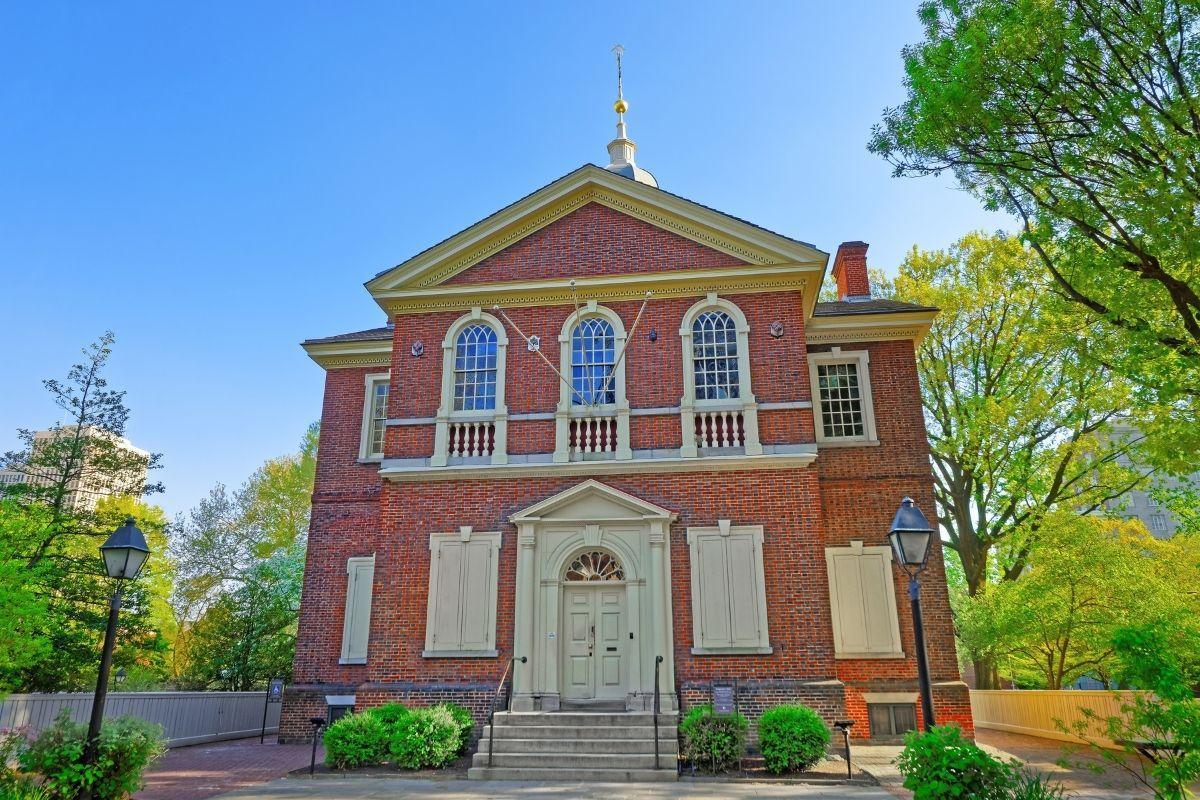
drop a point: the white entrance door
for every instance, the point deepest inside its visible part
(593, 640)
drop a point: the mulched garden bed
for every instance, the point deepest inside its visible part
(455, 771)
(830, 771)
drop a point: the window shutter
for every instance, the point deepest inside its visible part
(713, 570)
(863, 602)
(462, 593)
(729, 606)
(356, 626)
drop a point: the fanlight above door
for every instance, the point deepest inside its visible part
(595, 566)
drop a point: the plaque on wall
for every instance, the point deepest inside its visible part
(723, 699)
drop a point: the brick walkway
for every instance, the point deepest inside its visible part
(207, 770)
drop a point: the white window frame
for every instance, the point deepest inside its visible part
(862, 360)
(724, 529)
(372, 380)
(446, 413)
(464, 534)
(745, 402)
(351, 612)
(856, 549)
(568, 410)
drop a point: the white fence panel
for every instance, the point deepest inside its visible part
(1034, 712)
(186, 717)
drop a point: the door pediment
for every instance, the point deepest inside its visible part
(591, 502)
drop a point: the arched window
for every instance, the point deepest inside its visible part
(715, 356)
(475, 369)
(595, 566)
(593, 358)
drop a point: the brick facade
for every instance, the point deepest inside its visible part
(848, 493)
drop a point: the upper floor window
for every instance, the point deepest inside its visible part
(475, 369)
(842, 394)
(593, 359)
(715, 356)
(375, 416)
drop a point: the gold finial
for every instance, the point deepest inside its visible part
(620, 106)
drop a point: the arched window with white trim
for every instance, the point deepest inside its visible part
(592, 418)
(718, 412)
(472, 420)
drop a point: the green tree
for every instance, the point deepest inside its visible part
(1081, 118)
(1014, 404)
(1087, 577)
(239, 562)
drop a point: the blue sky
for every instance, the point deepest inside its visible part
(214, 181)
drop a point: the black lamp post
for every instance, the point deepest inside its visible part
(910, 536)
(124, 553)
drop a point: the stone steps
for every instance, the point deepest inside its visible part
(577, 746)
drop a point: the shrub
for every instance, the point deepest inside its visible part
(791, 738)
(389, 714)
(711, 740)
(22, 789)
(11, 742)
(1032, 786)
(464, 720)
(941, 764)
(127, 746)
(356, 740)
(427, 737)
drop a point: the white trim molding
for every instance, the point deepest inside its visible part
(861, 360)
(744, 404)
(447, 416)
(371, 381)
(608, 414)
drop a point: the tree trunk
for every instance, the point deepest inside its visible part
(987, 676)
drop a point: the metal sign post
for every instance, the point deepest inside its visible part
(274, 695)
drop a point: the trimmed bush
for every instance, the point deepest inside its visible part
(464, 720)
(389, 714)
(127, 746)
(711, 741)
(941, 765)
(427, 737)
(356, 740)
(791, 737)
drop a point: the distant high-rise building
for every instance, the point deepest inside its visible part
(85, 490)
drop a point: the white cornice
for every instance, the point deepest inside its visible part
(333, 355)
(870, 327)
(634, 467)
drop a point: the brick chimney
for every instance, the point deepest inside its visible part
(850, 271)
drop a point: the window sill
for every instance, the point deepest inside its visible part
(875, 656)
(732, 651)
(370, 460)
(848, 443)
(351, 662)
(459, 653)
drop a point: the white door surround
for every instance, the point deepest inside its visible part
(592, 517)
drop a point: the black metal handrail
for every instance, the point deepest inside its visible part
(657, 701)
(492, 713)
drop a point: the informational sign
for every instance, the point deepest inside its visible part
(275, 691)
(723, 699)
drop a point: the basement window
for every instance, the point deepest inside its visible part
(891, 720)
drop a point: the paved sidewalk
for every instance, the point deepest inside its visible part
(206, 770)
(402, 789)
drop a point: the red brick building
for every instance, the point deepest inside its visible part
(608, 424)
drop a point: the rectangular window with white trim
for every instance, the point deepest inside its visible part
(862, 602)
(841, 387)
(729, 600)
(375, 416)
(356, 623)
(463, 573)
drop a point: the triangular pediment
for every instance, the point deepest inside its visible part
(717, 240)
(592, 501)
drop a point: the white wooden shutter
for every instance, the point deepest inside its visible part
(463, 574)
(356, 624)
(729, 606)
(862, 600)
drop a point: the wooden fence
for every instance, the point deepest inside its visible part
(1035, 712)
(186, 717)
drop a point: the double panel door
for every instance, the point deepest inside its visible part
(594, 636)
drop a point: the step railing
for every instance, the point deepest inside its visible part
(717, 429)
(496, 697)
(657, 704)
